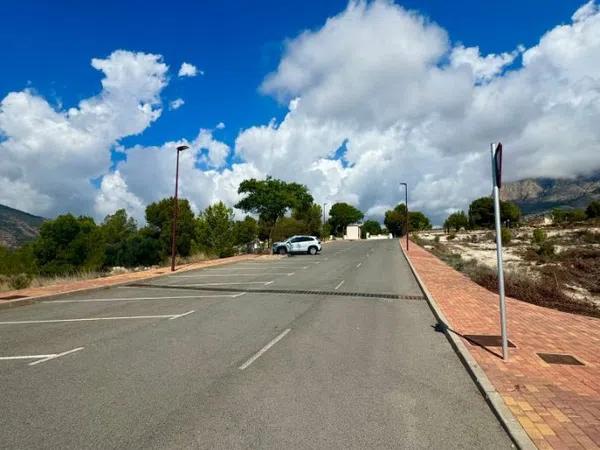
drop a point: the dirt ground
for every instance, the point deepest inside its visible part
(570, 257)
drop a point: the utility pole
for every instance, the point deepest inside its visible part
(175, 211)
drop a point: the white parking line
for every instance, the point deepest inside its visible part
(133, 299)
(223, 283)
(40, 358)
(232, 274)
(93, 319)
(358, 265)
(264, 349)
(339, 285)
(55, 356)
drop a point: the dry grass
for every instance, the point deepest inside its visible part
(9, 283)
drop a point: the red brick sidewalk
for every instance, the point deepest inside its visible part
(30, 294)
(557, 405)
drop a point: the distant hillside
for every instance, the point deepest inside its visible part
(17, 227)
(540, 195)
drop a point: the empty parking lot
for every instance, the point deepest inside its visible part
(336, 350)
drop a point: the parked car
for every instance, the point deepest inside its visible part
(298, 244)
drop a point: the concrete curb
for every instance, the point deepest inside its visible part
(493, 397)
(39, 298)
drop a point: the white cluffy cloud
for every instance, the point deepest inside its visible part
(377, 96)
(176, 104)
(189, 70)
(49, 156)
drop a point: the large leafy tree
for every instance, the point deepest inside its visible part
(341, 215)
(418, 221)
(68, 244)
(456, 221)
(395, 220)
(311, 217)
(215, 230)
(246, 231)
(117, 229)
(371, 227)
(593, 210)
(481, 212)
(159, 216)
(270, 199)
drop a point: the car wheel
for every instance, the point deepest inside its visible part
(282, 250)
(312, 251)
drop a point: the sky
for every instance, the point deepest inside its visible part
(349, 98)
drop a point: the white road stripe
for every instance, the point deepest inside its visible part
(126, 299)
(182, 315)
(231, 275)
(358, 265)
(268, 283)
(339, 285)
(55, 356)
(264, 349)
(222, 284)
(10, 358)
(92, 319)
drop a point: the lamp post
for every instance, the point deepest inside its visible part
(406, 203)
(175, 210)
(324, 205)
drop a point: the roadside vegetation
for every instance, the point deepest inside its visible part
(555, 266)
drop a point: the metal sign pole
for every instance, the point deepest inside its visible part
(496, 177)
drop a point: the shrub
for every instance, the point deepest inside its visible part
(451, 236)
(506, 236)
(20, 281)
(546, 249)
(539, 236)
(436, 239)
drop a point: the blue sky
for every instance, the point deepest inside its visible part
(371, 93)
(47, 46)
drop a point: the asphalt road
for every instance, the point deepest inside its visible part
(330, 351)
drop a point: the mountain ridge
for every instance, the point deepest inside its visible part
(17, 227)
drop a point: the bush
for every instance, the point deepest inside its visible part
(20, 281)
(436, 239)
(451, 236)
(506, 236)
(539, 236)
(546, 249)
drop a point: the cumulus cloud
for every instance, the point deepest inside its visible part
(220, 126)
(189, 70)
(376, 96)
(176, 104)
(49, 156)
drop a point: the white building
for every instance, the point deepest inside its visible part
(353, 231)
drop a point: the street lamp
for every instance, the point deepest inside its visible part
(406, 203)
(324, 204)
(175, 210)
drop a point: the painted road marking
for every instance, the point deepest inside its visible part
(133, 299)
(93, 319)
(181, 315)
(339, 285)
(40, 358)
(264, 349)
(232, 274)
(358, 265)
(266, 283)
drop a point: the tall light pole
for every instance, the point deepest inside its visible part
(324, 205)
(175, 210)
(406, 203)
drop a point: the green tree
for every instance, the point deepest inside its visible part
(67, 244)
(481, 213)
(215, 233)
(341, 215)
(418, 221)
(395, 222)
(568, 215)
(311, 216)
(116, 230)
(288, 226)
(159, 216)
(593, 210)
(246, 231)
(372, 227)
(270, 199)
(456, 221)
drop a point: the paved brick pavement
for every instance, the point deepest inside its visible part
(76, 286)
(557, 405)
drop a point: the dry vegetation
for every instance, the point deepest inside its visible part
(554, 267)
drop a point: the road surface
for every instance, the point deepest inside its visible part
(330, 351)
